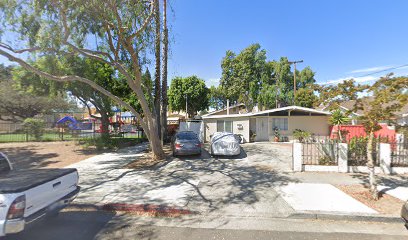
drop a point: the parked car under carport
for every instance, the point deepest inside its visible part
(225, 144)
(186, 143)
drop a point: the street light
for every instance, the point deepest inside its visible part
(294, 79)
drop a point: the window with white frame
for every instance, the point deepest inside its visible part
(224, 126)
(280, 123)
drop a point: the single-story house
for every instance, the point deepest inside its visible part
(262, 123)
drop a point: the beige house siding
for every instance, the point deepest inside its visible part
(244, 131)
(318, 125)
(210, 126)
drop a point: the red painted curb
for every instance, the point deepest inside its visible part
(146, 208)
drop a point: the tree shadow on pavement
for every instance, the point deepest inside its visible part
(390, 181)
(27, 157)
(200, 184)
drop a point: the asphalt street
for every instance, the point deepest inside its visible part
(75, 225)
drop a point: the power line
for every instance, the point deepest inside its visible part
(369, 74)
(384, 70)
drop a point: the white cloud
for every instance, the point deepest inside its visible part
(371, 69)
(357, 79)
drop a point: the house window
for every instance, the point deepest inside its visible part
(224, 126)
(280, 123)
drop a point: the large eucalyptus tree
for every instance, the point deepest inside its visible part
(114, 32)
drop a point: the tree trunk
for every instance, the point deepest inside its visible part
(164, 73)
(105, 125)
(339, 133)
(371, 167)
(157, 87)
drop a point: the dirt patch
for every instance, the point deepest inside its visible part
(45, 154)
(146, 161)
(386, 204)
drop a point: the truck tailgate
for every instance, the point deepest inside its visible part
(42, 187)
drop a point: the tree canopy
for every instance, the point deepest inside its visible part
(116, 33)
(19, 103)
(194, 89)
(248, 77)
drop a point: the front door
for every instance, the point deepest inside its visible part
(262, 129)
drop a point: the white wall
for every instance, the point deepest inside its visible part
(196, 127)
(210, 126)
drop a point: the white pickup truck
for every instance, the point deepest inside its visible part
(27, 195)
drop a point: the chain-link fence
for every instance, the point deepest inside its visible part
(14, 132)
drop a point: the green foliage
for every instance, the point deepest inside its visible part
(247, 77)
(19, 103)
(276, 132)
(333, 95)
(358, 146)
(338, 118)
(268, 96)
(34, 127)
(305, 97)
(196, 91)
(217, 99)
(388, 97)
(329, 150)
(301, 135)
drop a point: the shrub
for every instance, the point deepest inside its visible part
(34, 127)
(300, 135)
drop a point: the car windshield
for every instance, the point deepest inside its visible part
(186, 136)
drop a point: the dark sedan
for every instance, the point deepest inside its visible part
(186, 143)
(404, 213)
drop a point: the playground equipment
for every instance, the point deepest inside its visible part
(72, 124)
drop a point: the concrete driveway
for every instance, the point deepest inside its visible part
(242, 185)
(272, 156)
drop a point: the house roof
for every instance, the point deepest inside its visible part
(348, 105)
(288, 108)
(224, 109)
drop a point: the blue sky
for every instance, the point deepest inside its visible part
(337, 39)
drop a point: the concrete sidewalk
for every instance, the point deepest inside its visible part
(320, 197)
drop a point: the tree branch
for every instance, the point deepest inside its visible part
(95, 86)
(146, 22)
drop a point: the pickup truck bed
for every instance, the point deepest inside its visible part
(21, 180)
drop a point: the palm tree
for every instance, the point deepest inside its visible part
(164, 72)
(157, 82)
(338, 118)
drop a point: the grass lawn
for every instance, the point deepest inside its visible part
(49, 137)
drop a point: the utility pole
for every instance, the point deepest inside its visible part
(186, 107)
(294, 79)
